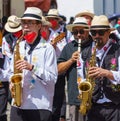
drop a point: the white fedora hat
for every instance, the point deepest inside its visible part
(85, 12)
(45, 22)
(100, 22)
(13, 24)
(79, 21)
(32, 13)
(53, 13)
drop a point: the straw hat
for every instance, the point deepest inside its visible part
(13, 24)
(100, 22)
(53, 13)
(85, 12)
(32, 13)
(79, 21)
(45, 22)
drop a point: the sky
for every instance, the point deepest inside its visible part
(70, 8)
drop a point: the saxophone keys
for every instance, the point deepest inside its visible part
(32, 84)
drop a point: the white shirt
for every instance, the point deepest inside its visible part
(38, 84)
(5, 72)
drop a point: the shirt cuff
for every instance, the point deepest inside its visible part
(37, 73)
(116, 75)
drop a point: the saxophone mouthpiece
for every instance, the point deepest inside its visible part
(97, 40)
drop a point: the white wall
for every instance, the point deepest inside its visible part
(17, 7)
(1, 9)
(72, 7)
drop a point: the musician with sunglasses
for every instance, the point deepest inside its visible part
(67, 63)
(105, 73)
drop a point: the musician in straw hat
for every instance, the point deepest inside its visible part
(105, 72)
(55, 30)
(67, 63)
(45, 32)
(39, 71)
(13, 27)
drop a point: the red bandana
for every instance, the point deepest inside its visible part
(30, 37)
(18, 34)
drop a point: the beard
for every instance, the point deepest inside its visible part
(100, 43)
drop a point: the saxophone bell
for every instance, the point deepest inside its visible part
(84, 87)
(16, 80)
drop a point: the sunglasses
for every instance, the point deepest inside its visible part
(100, 32)
(80, 31)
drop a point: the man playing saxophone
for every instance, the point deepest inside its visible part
(105, 73)
(14, 30)
(39, 71)
(67, 63)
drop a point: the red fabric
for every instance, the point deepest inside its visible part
(44, 5)
(30, 37)
(54, 23)
(18, 34)
(44, 34)
(119, 22)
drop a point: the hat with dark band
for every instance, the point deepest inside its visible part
(100, 22)
(53, 13)
(32, 13)
(79, 21)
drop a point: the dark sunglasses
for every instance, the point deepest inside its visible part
(100, 32)
(80, 31)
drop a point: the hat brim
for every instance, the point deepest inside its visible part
(85, 13)
(71, 26)
(46, 23)
(12, 30)
(47, 17)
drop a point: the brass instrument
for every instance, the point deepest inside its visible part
(16, 79)
(86, 88)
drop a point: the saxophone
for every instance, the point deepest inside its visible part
(86, 88)
(16, 79)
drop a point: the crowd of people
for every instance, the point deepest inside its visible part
(39, 54)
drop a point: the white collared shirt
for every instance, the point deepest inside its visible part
(38, 84)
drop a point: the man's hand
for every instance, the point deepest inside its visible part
(97, 72)
(23, 64)
(75, 56)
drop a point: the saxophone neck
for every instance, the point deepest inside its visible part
(20, 38)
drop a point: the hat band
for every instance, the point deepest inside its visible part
(103, 26)
(80, 23)
(52, 15)
(15, 27)
(31, 15)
